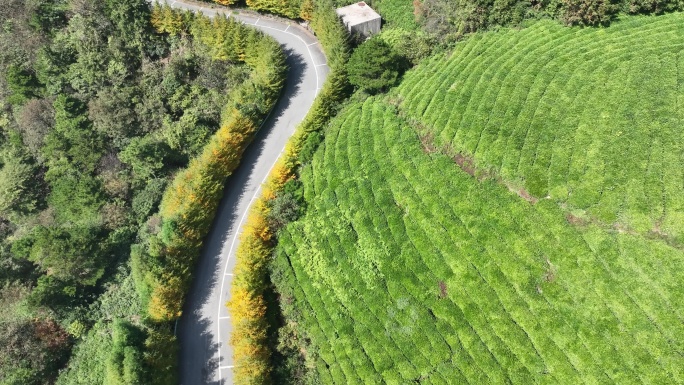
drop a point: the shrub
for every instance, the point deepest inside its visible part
(413, 45)
(146, 201)
(309, 146)
(161, 350)
(654, 6)
(589, 12)
(374, 66)
(30, 351)
(287, 8)
(125, 364)
(283, 209)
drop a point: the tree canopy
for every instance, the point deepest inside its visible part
(374, 66)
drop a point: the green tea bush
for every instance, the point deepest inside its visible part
(583, 117)
(406, 268)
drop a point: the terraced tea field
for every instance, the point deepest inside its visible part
(591, 118)
(406, 269)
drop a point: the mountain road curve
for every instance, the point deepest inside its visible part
(204, 328)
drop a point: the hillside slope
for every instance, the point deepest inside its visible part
(418, 260)
(590, 118)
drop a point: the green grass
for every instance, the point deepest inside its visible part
(590, 118)
(407, 269)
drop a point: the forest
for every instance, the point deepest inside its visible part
(104, 105)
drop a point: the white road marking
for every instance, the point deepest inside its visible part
(258, 190)
(226, 317)
(230, 252)
(307, 49)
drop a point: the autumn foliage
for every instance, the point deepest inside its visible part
(189, 204)
(287, 8)
(163, 264)
(251, 355)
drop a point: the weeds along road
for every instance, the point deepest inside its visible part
(204, 329)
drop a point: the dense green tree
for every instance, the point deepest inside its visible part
(76, 198)
(72, 143)
(188, 134)
(52, 63)
(48, 15)
(113, 114)
(22, 84)
(18, 188)
(30, 351)
(73, 253)
(146, 157)
(55, 296)
(131, 18)
(374, 67)
(34, 120)
(13, 269)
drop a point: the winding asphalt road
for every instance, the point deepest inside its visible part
(204, 329)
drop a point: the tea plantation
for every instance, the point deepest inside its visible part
(591, 118)
(511, 214)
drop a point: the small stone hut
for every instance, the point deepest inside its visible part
(360, 19)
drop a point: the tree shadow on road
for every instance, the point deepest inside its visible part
(197, 331)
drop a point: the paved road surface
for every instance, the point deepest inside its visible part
(204, 328)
